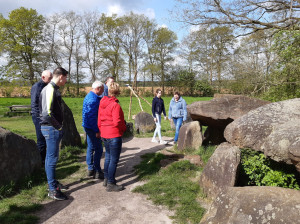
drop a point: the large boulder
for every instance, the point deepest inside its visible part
(221, 170)
(190, 136)
(144, 123)
(19, 156)
(251, 205)
(71, 136)
(273, 129)
(220, 111)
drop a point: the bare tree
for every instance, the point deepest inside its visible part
(53, 43)
(92, 36)
(248, 15)
(134, 29)
(69, 28)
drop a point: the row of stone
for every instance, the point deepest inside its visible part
(242, 122)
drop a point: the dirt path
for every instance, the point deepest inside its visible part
(90, 203)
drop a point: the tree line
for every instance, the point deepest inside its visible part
(215, 57)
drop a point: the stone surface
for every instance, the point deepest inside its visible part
(144, 123)
(19, 156)
(253, 205)
(71, 136)
(190, 136)
(219, 112)
(273, 129)
(223, 109)
(221, 170)
(194, 159)
(129, 129)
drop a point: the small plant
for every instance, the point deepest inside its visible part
(172, 187)
(205, 152)
(262, 171)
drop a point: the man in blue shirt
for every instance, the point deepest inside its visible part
(35, 112)
(108, 81)
(89, 122)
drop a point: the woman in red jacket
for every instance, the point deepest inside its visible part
(111, 124)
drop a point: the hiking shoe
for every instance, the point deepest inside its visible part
(99, 175)
(90, 173)
(61, 186)
(154, 140)
(162, 142)
(114, 187)
(57, 195)
(105, 182)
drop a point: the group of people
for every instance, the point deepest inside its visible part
(177, 113)
(102, 120)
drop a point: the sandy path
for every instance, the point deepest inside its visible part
(90, 203)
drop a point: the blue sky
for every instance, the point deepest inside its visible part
(154, 9)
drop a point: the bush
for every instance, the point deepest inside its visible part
(204, 88)
(262, 171)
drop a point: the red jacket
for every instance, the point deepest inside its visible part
(111, 121)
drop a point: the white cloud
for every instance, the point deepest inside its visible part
(150, 13)
(115, 9)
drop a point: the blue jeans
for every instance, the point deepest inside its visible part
(53, 137)
(177, 123)
(113, 147)
(41, 141)
(158, 126)
(94, 150)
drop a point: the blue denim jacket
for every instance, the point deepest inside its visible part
(177, 109)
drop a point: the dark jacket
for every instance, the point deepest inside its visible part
(90, 111)
(36, 90)
(158, 106)
(111, 121)
(51, 113)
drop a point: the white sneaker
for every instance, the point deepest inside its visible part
(162, 142)
(154, 140)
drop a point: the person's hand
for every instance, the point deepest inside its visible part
(165, 118)
(98, 135)
(155, 120)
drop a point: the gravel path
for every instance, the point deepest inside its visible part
(90, 203)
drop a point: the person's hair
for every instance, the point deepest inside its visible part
(60, 71)
(157, 90)
(114, 89)
(177, 93)
(97, 84)
(110, 77)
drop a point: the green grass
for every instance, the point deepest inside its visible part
(20, 200)
(172, 187)
(205, 152)
(23, 125)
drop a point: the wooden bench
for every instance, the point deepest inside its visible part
(20, 109)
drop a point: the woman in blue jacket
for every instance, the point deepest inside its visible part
(158, 107)
(177, 112)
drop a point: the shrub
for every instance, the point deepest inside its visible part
(262, 171)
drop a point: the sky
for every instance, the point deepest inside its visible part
(154, 9)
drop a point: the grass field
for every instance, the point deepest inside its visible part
(18, 202)
(23, 124)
